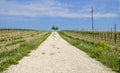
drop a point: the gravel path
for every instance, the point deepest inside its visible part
(55, 55)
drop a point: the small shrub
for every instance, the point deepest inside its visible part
(102, 46)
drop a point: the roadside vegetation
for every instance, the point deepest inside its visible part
(98, 49)
(15, 44)
(111, 38)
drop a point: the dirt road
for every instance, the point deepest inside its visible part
(55, 55)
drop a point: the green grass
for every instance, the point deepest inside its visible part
(100, 51)
(8, 58)
(108, 37)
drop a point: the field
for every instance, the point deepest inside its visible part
(55, 55)
(111, 38)
(102, 48)
(15, 44)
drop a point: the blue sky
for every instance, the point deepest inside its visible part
(66, 14)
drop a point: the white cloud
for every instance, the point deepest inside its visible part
(46, 8)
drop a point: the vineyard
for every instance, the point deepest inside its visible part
(111, 38)
(11, 39)
(15, 44)
(103, 46)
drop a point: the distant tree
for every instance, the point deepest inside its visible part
(54, 28)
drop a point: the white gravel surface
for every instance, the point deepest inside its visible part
(55, 55)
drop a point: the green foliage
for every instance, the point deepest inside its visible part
(54, 28)
(100, 51)
(102, 46)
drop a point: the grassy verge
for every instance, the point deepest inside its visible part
(12, 57)
(100, 51)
